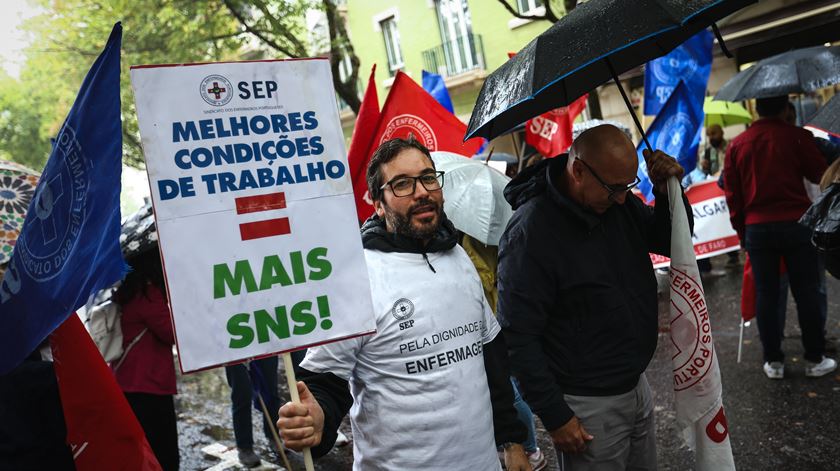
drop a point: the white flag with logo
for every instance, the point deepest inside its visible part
(697, 385)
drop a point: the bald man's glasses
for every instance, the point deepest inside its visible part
(615, 190)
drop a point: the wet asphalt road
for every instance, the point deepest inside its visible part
(774, 425)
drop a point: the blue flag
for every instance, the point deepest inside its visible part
(690, 62)
(69, 243)
(675, 131)
(434, 84)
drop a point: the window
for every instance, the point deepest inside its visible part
(458, 43)
(392, 44)
(526, 6)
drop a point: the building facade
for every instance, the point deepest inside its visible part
(465, 40)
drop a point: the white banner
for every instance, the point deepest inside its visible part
(254, 208)
(713, 233)
(697, 386)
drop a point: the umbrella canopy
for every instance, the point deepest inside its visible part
(591, 45)
(17, 188)
(473, 195)
(139, 232)
(725, 113)
(497, 157)
(798, 71)
(828, 118)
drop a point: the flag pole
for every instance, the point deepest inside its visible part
(274, 434)
(290, 377)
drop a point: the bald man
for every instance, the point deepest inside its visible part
(577, 297)
(715, 148)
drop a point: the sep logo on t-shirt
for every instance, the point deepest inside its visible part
(402, 310)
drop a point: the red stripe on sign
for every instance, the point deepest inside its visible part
(703, 191)
(267, 228)
(253, 204)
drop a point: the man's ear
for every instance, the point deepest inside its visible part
(577, 170)
(378, 207)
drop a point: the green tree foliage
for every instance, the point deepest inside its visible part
(69, 34)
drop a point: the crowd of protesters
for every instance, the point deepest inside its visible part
(571, 283)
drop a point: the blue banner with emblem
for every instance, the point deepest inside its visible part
(676, 132)
(690, 62)
(69, 243)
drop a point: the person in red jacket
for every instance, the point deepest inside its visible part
(146, 372)
(763, 181)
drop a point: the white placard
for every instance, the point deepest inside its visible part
(254, 208)
(713, 234)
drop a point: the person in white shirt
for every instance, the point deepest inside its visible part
(430, 389)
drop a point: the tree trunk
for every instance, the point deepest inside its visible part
(339, 47)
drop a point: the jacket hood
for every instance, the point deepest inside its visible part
(376, 237)
(532, 181)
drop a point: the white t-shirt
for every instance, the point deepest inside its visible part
(420, 396)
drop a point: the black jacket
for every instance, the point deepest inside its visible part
(333, 393)
(577, 292)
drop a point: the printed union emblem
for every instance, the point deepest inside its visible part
(59, 206)
(691, 332)
(403, 309)
(216, 90)
(679, 64)
(674, 132)
(403, 125)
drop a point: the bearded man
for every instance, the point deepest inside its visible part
(431, 387)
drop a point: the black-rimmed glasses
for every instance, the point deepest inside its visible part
(405, 186)
(614, 189)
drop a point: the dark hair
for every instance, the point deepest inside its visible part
(771, 106)
(386, 153)
(145, 268)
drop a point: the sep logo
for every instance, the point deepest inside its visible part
(675, 131)
(403, 309)
(216, 90)
(59, 209)
(405, 124)
(679, 64)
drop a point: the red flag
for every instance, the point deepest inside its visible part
(361, 147)
(551, 133)
(411, 110)
(102, 430)
(748, 290)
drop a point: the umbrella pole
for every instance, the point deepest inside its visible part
(629, 105)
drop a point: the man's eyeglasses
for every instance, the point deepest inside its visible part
(615, 190)
(405, 186)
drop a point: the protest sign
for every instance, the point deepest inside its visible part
(713, 233)
(254, 207)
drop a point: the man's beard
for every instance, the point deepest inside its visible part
(402, 222)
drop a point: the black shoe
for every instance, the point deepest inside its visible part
(248, 458)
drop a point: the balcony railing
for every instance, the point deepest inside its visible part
(455, 57)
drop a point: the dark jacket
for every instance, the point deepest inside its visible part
(577, 292)
(333, 393)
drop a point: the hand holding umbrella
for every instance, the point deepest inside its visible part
(661, 167)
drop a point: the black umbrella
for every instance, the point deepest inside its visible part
(828, 118)
(138, 233)
(799, 71)
(594, 43)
